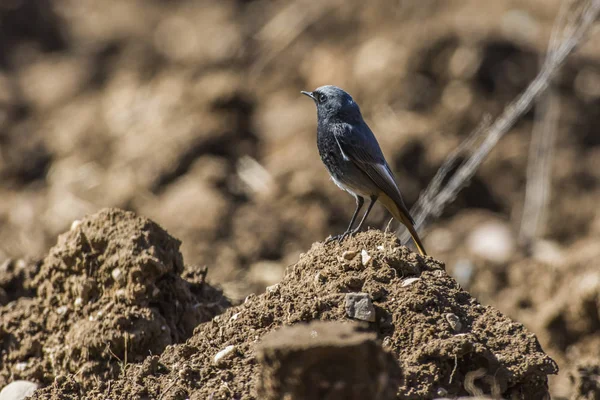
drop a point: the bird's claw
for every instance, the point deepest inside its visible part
(339, 238)
(331, 238)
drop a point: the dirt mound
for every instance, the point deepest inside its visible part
(16, 278)
(445, 342)
(108, 293)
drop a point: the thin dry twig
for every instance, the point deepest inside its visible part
(429, 194)
(537, 189)
(433, 200)
(543, 136)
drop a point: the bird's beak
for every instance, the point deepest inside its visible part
(309, 94)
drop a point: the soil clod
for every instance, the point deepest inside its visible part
(325, 360)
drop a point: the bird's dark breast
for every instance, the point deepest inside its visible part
(330, 153)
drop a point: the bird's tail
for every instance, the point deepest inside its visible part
(401, 214)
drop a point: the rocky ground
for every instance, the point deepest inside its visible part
(188, 113)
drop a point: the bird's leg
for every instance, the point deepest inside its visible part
(359, 203)
(371, 204)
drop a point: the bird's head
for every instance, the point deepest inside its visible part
(332, 101)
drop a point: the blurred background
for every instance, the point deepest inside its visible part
(189, 113)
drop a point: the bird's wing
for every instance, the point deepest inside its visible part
(359, 145)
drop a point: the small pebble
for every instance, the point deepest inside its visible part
(273, 288)
(359, 306)
(387, 342)
(409, 281)
(21, 366)
(349, 254)
(365, 257)
(224, 354)
(75, 224)
(18, 390)
(454, 322)
(116, 274)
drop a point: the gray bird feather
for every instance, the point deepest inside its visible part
(359, 145)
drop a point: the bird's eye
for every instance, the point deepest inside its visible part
(322, 98)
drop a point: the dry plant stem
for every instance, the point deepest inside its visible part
(537, 190)
(433, 189)
(431, 204)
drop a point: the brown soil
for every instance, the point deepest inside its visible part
(108, 293)
(16, 279)
(443, 339)
(189, 113)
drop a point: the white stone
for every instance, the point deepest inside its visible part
(75, 224)
(409, 281)
(365, 257)
(18, 390)
(116, 274)
(224, 354)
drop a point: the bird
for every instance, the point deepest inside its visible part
(352, 155)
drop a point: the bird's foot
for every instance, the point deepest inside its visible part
(339, 238)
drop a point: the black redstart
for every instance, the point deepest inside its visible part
(354, 159)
